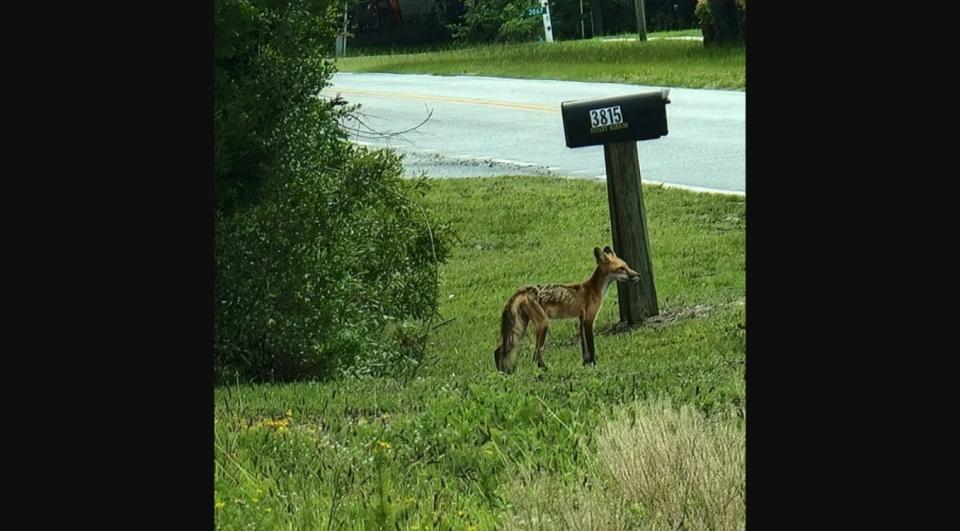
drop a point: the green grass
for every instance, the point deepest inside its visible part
(459, 445)
(694, 32)
(671, 63)
(363, 51)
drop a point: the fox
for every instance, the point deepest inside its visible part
(538, 304)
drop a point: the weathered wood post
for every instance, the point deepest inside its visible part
(628, 223)
(618, 123)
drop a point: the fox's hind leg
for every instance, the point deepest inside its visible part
(541, 324)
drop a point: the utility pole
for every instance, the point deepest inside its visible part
(641, 20)
(341, 47)
(582, 36)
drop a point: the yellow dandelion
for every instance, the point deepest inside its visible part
(384, 445)
(279, 425)
(220, 504)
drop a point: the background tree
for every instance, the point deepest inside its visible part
(722, 21)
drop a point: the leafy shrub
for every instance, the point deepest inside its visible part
(521, 30)
(323, 262)
(482, 21)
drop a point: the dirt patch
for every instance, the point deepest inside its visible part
(667, 317)
(441, 166)
(670, 316)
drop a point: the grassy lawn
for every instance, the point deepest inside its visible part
(463, 447)
(695, 32)
(671, 63)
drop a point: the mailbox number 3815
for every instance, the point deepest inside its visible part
(605, 116)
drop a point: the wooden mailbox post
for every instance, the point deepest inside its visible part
(618, 123)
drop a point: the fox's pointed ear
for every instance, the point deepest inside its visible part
(601, 258)
(608, 250)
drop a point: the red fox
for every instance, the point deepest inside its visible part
(538, 304)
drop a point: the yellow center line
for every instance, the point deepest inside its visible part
(444, 99)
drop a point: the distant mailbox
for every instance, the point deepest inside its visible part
(617, 119)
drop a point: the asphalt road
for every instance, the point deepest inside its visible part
(482, 126)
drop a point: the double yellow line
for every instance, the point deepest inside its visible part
(331, 91)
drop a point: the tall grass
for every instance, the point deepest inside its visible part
(671, 63)
(656, 466)
(679, 469)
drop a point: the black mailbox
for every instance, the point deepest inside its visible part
(617, 119)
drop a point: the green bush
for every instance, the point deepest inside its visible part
(323, 263)
(521, 30)
(501, 20)
(496, 21)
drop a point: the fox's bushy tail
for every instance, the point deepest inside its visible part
(513, 324)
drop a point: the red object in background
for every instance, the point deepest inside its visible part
(395, 7)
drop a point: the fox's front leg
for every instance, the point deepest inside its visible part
(541, 340)
(588, 335)
(586, 341)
